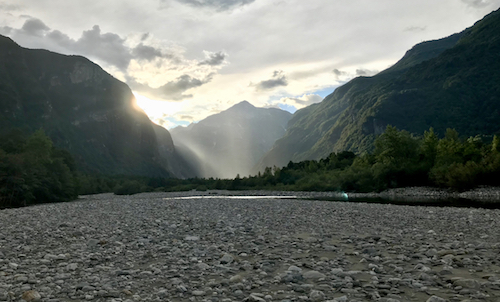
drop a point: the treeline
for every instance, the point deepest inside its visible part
(33, 171)
(399, 159)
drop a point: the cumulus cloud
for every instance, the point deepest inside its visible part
(218, 5)
(109, 47)
(303, 101)
(477, 3)
(339, 73)
(175, 89)
(146, 52)
(365, 72)
(142, 65)
(172, 90)
(278, 79)
(214, 58)
(34, 27)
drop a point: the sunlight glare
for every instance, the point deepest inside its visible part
(157, 110)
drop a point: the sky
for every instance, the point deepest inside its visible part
(188, 59)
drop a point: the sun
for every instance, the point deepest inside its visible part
(157, 110)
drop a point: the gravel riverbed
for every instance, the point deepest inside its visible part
(158, 247)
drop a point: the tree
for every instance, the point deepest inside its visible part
(428, 148)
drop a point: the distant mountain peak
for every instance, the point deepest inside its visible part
(243, 105)
(232, 141)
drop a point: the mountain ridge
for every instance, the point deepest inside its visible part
(428, 81)
(230, 142)
(84, 110)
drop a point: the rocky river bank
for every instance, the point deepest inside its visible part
(172, 247)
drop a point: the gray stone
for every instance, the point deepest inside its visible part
(467, 283)
(436, 299)
(198, 293)
(316, 296)
(313, 275)
(227, 259)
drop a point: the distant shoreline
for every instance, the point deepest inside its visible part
(410, 195)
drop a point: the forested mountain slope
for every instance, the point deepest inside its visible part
(447, 83)
(84, 110)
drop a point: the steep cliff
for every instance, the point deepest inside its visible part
(84, 110)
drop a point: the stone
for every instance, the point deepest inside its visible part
(255, 298)
(236, 279)
(317, 296)
(436, 299)
(227, 259)
(467, 283)
(294, 268)
(313, 275)
(31, 295)
(198, 293)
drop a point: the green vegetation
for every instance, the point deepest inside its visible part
(84, 110)
(399, 159)
(33, 171)
(447, 83)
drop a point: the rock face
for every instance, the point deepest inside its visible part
(84, 110)
(447, 83)
(231, 142)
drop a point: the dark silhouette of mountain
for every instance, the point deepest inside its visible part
(84, 110)
(447, 83)
(231, 142)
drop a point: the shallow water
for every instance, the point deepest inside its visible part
(229, 197)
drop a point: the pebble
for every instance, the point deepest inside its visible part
(154, 247)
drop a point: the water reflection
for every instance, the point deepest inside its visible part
(229, 197)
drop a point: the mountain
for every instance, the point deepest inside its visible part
(231, 142)
(84, 110)
(447, 83)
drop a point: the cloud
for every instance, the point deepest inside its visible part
(214, 58)
(477, 3)
(303, 101)
(415, 28)
(365, 72)
(172, 90)
(278, 79)
(218, 5)
(142, 61)
(175, 89)
(187, 118)
(6, 30)
(339, 73)
(9, 7)
(109, 47)
(146, 52)
(34, 27)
